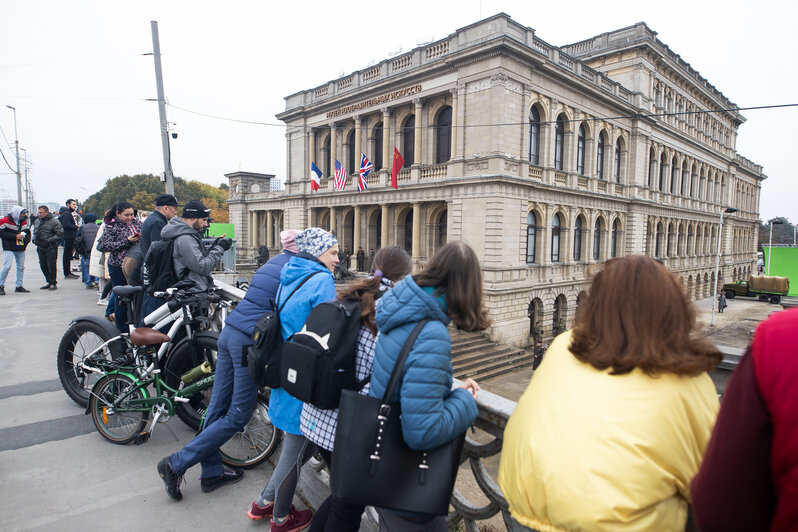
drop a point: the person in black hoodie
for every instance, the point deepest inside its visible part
(165, 209)
(47, 233)
(15, 233)
(68, 222)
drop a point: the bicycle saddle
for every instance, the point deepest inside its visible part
(148, 336)
(127, 290)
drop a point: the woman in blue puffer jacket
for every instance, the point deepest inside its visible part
(317, 254)
(449, 288)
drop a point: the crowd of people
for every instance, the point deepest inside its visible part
(620, 427)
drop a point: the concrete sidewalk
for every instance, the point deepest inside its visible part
(56, 471)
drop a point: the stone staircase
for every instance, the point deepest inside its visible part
(477, 357)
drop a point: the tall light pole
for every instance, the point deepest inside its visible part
(717, 262)
(16, 143)
(770, 243)
(27, 183)
(167, 163)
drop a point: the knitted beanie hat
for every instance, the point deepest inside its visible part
(288, 240)
(315, 241)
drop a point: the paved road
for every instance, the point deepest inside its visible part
(56, 472)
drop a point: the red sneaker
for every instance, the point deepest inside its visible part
(256, 513)
(296, 520)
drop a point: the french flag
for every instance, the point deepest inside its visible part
(315, 176)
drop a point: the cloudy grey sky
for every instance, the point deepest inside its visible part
(76, 74)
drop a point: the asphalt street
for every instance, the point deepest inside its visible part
(56, 471)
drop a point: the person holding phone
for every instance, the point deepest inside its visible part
(122, 232)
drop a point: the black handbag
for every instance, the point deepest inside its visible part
(372, 464)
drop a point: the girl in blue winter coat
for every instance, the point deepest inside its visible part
(449, 288)
(317, 254)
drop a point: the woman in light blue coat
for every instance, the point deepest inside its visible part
(317, 254)
(449, 288)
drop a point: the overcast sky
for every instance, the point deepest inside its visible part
(77, 77)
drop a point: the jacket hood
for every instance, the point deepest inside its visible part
(299, 266)
(16, 211)
(177, 227)
(407, 303)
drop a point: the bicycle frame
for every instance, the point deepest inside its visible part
(159, 399)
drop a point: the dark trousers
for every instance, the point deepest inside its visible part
(69, 250)
(120, 307)
(48, 256)
(333, 514)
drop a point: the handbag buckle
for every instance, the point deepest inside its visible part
(374, 457)
(383, 412)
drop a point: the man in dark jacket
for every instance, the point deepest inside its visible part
(69, 222)
(165, 209)
(234, 392)
(48, 232)
(192, 261)
(15, 234)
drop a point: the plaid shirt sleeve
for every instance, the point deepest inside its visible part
(319, 425)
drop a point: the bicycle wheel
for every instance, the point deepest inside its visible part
(185, 358)
(80, 340)
(112, 421)
(256, 442)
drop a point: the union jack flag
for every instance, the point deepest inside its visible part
(340, 176)
(365, 169)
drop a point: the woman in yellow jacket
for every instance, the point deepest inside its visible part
(614, 424)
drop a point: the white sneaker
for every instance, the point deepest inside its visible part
(103, 302)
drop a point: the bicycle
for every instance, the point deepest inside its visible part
(90, 342)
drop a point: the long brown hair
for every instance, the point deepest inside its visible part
(636, 315)
(454, 271)
(394, 263)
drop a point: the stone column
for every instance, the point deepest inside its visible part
(358, 144)
(387, 159)
(269, 229)
(551, 134)
(333, 146)
(526, 104)
(384, 228)
(545, 227)
(332, 221)
(356, 232)
(570, 145)
(417, 134)
(252, 222)
(416, 232)
(609, 175)
(455, 128)
(311, 154)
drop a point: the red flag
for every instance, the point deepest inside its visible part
(398, 163)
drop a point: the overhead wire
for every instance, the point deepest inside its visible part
(74, 60)
(6, 161)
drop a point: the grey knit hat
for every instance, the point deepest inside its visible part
(315, 241)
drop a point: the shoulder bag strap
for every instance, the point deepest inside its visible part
(293, 292)
(396, 374)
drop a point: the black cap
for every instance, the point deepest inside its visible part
(165, 199)
(196, 209)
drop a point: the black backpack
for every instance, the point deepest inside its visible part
(319, 361)
(262, 358)
(158, 270)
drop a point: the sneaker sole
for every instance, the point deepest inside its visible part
(257, 517)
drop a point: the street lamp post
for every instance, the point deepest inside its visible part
(728, 210)
(770, 243)
(16, 143)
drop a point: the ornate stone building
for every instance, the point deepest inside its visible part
(548, 161)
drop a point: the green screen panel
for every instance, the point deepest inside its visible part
(219, 229)
(784, 263)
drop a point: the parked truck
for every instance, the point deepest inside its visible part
(765, 287)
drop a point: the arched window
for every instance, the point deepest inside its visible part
(617, 175)
(600, 157)
(652, 167)
(662, 173)
(378, 146)
(443, 136)
(669, 249)
(409, 232)
(531, 237)
(580, 151)
(534, 135)
(597, 240)
(660, 235)
(614, 240)
(350, 152)
(325, 157)
(674, 176)
(556, 223)
(578, 239)
(559, 142)
(409, 140)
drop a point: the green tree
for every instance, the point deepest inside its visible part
(783, 231)
(141, 189)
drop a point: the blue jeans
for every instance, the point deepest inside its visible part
(8, 257)
(230, 408)
(87, 279)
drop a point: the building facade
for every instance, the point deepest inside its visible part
(547, 161)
